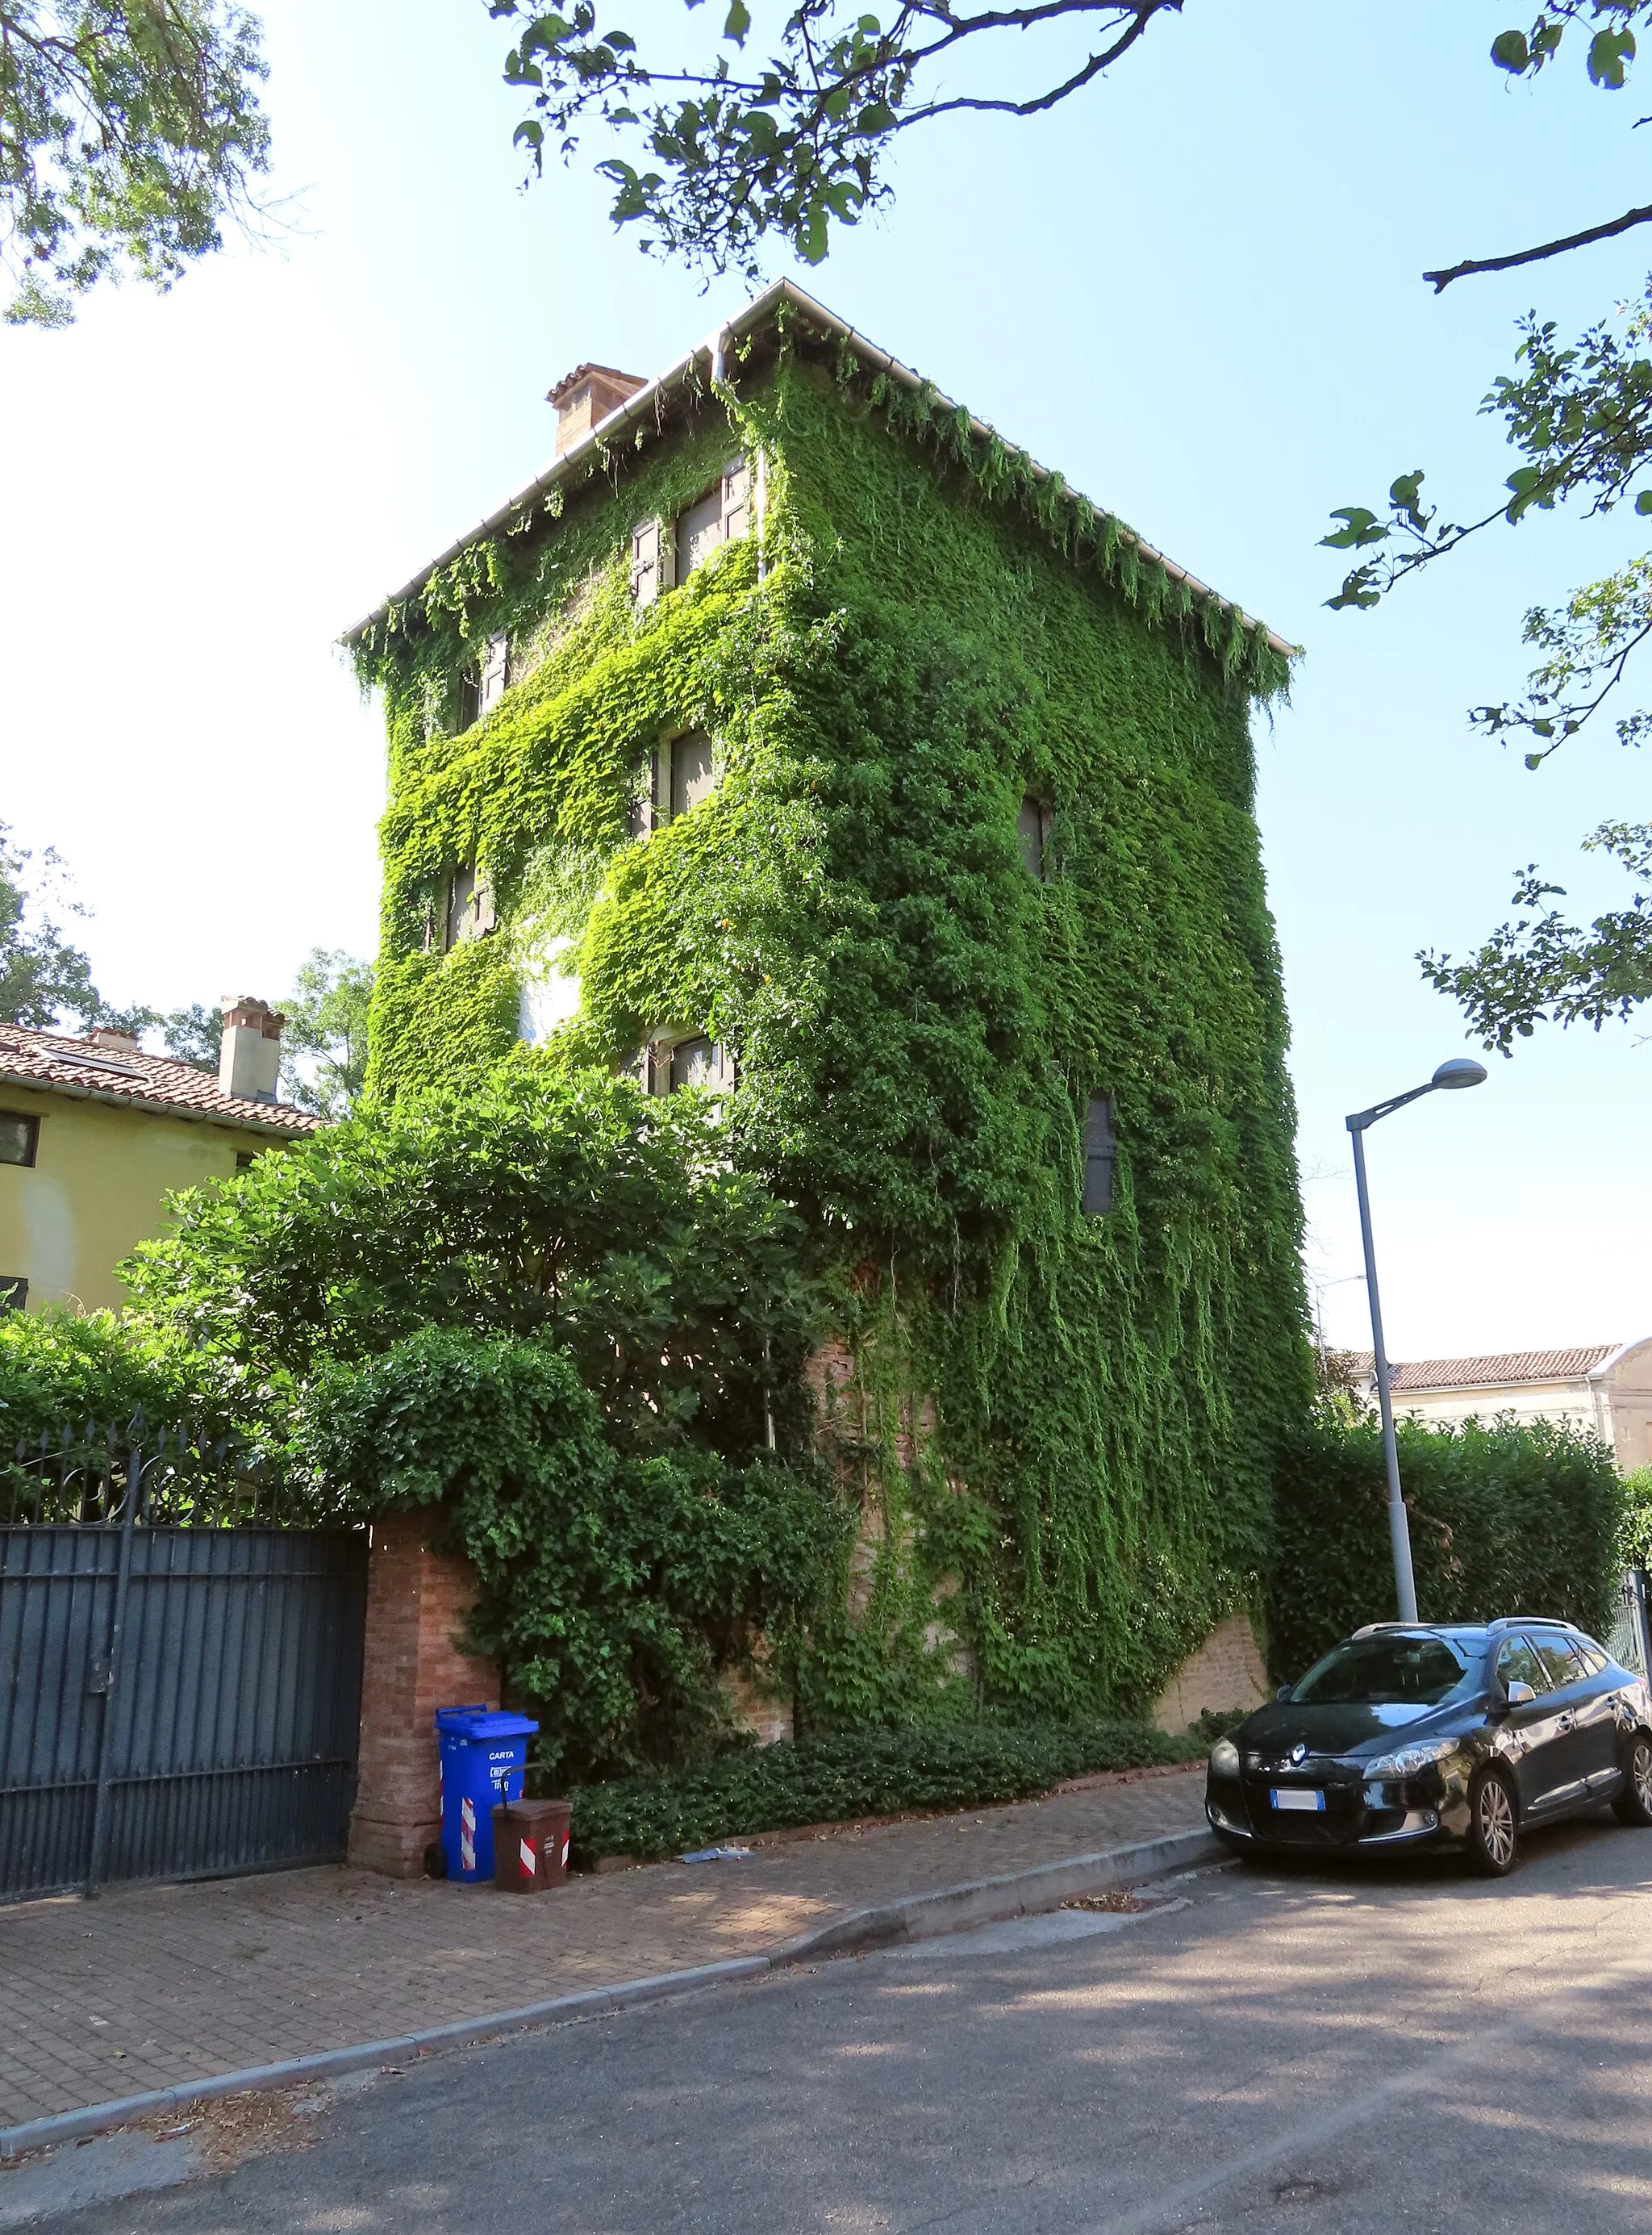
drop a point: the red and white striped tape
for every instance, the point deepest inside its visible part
(467, 1835)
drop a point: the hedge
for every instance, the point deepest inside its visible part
(824, 1780)
(1504, 1519)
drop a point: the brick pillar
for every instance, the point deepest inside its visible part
(416, 1603)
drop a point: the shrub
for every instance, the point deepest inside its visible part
(1635, 1531)
(613, 1587)
(1504, 1519)
(824, 1780)
(59, 1371)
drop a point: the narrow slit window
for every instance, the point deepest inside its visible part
(470, 905)
(1100, 1154)
(493, 672)
(1032, 828)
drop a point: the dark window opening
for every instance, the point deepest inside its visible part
(244, 1159)
(19, 1138)
(1032, 828)
(1100, 1154)
(470, 700)
(14, 1292)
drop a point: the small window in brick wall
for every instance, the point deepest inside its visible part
(470, 906)
(1100, 1154)
(1032, 827)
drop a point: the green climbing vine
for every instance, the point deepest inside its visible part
(1061, 1427)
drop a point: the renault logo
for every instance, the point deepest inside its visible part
(1298, 1755)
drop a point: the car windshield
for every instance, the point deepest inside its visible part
(1387, 1671)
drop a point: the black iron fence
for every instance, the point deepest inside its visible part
(180, 1656)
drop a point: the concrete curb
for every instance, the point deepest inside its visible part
(920, 1917)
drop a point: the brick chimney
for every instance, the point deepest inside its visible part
(585, 397)
(249, 1055)
(110, 1036)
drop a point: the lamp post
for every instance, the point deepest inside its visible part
(1460, 1071)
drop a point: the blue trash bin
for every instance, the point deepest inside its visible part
(483, 1754)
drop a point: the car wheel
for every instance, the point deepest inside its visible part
(1634, 1804)
(1493, 1828)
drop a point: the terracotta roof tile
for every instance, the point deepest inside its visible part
(54, 1061)
(1505, 1370)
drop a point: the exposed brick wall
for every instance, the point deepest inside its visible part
(1225, 1672)
(416, 1604)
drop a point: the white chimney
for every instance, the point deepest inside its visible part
(249, 1055)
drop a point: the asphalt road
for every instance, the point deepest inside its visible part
(1272, 2049)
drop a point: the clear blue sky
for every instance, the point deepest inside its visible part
(1195, 290)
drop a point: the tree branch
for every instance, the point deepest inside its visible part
(1442, 280)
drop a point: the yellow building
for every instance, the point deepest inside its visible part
(94, 1134)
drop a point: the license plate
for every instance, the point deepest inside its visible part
(1297, 1796)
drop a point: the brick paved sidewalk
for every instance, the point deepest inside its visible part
(148, 1989)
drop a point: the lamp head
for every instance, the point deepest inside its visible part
(1459, 1071)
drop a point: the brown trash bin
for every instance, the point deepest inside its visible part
(529, 1846)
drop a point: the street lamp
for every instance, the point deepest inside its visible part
(1460, 1071)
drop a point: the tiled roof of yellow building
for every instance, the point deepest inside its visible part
(56, 1062)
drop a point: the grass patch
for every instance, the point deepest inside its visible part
(829, 1780)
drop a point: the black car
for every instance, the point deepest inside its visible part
(1410, 1734)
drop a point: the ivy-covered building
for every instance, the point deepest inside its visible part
(794, 738)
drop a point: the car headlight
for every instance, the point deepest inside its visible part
(1225, 1759)
(1409, 1759)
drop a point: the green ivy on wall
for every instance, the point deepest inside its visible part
(1062, 1427)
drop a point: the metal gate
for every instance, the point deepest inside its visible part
(180, 1673)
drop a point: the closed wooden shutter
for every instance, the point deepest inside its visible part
(1032, 828)
(495, 661)
(1100, 1154)
(736, 501)
(646, 542)
(692, 779)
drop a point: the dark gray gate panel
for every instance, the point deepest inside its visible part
(231, 1700)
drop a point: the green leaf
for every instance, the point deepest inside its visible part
(1362, 527)
(1534, 760)
(739, 21)
(1643, 502)
(1509, 52)
(1608, 52)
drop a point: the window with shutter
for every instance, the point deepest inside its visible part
(470, 700)
(470, 906)
(736, 501)
(649, 546)
(495, 661)
(1032, 828)
(694, 1063)
(692, 779)
(1100, 1154)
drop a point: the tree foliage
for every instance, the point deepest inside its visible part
(735, 148)
(583, 1215)
(323, 1042)
(128, 130)
(1578, 416)
(614, 1587)
(43, 976)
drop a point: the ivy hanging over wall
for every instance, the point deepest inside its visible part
(1061, 1427)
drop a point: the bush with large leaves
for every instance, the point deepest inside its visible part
(613, 1587)
(581, 1212)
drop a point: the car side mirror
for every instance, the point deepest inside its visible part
(1520, 1696)
(1283, 1693)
